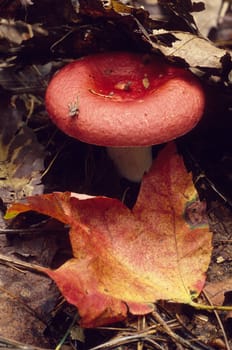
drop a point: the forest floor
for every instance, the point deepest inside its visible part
(33, 313)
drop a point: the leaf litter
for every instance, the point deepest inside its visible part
(21, 157)
(96, 25)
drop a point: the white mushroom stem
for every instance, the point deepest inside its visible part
(131, 162)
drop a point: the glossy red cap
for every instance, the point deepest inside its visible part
(124, 99)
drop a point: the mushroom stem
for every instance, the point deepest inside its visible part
(131, 162)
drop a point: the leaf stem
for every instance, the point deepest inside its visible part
(211, 307)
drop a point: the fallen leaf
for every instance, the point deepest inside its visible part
(23, 308)
(208, 18)
(216, 290)
(16, 32)
(198, 52)
(21, 157)
(128, 259)
(182, 10)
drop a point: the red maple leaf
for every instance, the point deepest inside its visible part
(127, 259)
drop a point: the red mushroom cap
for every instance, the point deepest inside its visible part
(124, 99)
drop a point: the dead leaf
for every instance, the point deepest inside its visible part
(198, 52)
(216, 290)
(31, 80)
(23, 309)
(17, 32)
(182, 10)
(131, 258)
(21, 157)
(208, 18)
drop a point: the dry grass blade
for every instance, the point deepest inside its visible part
(123, 340)
(145, 334)
(219, 321)
(180, 342)
(20, 264)
(10, 344)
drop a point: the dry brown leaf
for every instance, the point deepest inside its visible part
(197, 51)
(216, 290)
(21, 157)
(18, 31)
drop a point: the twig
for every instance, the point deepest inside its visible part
(11, 344)
(218, 320)
(30, 230)
(179, 340)
(147, 335)
(21, 264)
(201, 345)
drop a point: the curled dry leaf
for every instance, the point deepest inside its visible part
(181, 40)
(102, 26)
(182, 11)
(198, 52)
(128, 259)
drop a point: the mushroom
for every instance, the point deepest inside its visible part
(126, 102)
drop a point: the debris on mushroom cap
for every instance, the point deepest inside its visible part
(124, 99)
